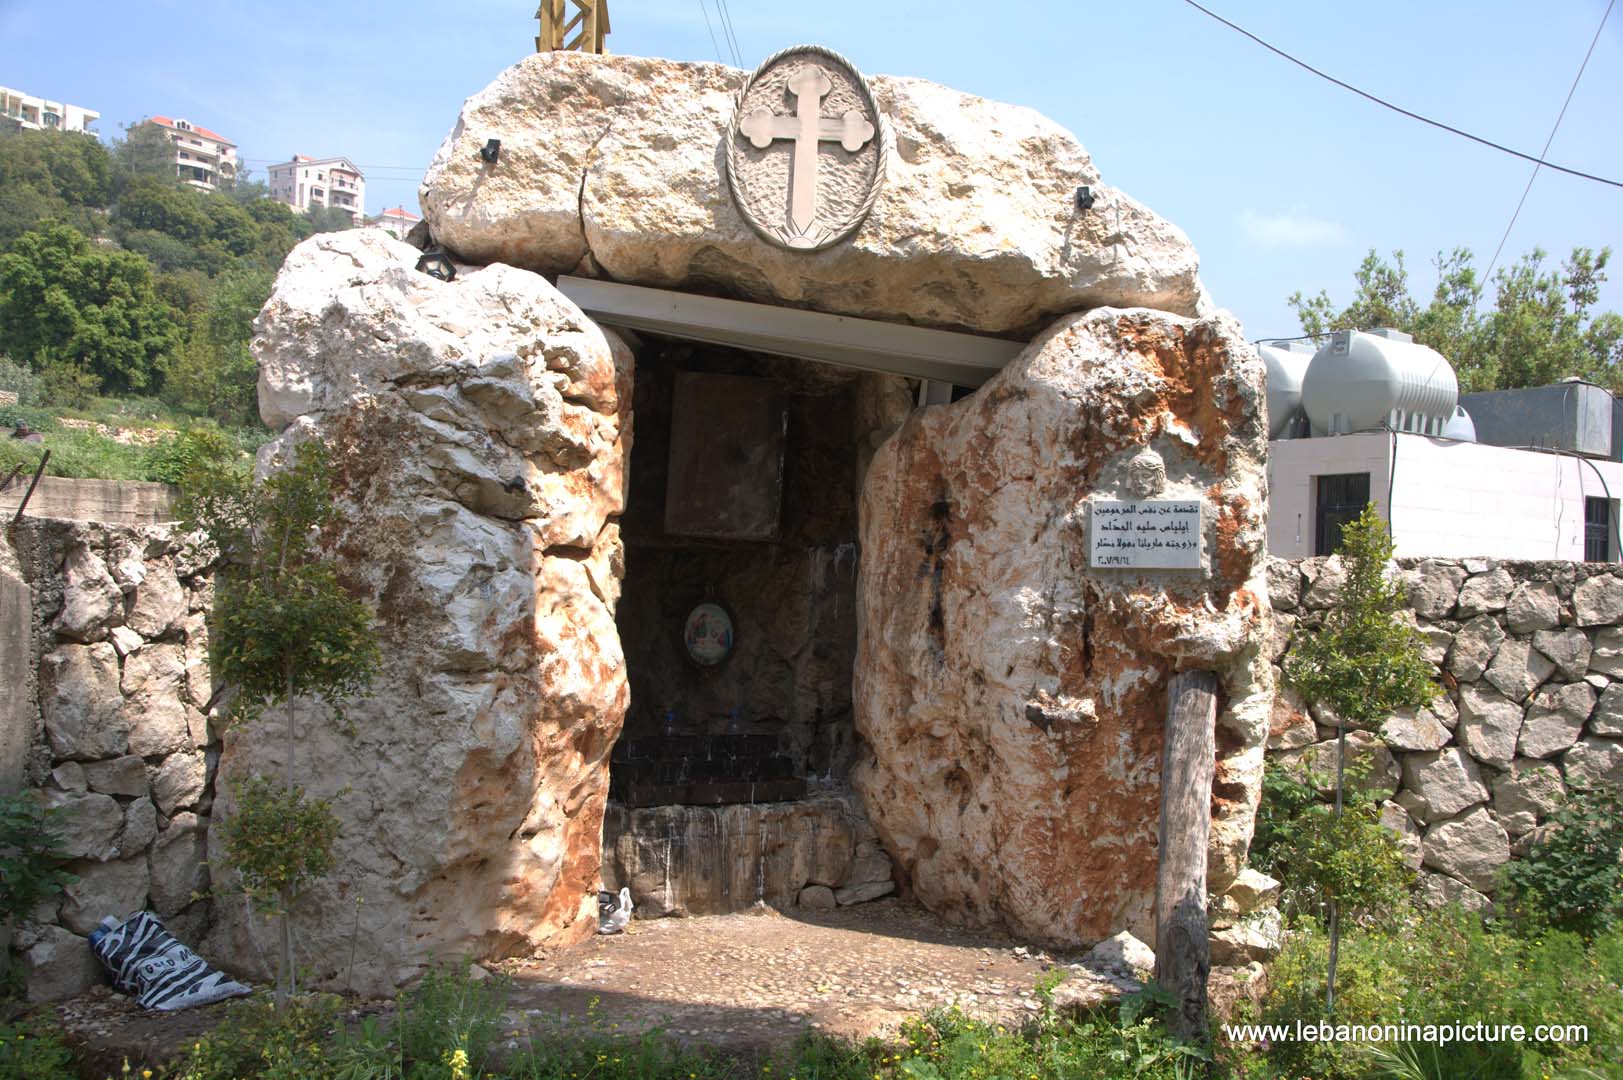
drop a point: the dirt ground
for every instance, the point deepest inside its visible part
(749, 981)
(738, 983)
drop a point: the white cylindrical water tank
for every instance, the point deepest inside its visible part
(1287, 363)
(1460, 426)
(1362, 381)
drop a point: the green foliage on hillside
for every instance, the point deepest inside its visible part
(1543, 325)
(117, 279)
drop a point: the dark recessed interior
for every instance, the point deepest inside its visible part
(775, 714)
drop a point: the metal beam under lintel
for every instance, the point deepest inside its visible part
(913, 351)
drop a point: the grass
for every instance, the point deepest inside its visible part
(83, 453)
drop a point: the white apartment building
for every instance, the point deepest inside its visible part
(203, 158)
(333, 182)
(396, 221)
(39, 114)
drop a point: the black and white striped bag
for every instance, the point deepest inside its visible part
(146, 962)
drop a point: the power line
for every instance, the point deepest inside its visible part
(732, 35)
(706, 11)
(1398, 108)
(1553, 129)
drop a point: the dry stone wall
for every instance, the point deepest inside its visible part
(1529, 663)
(118, 740)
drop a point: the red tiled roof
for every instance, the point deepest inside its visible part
(400, 212)
(164, 121)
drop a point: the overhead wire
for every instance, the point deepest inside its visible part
(1398, 108)
(705, 10)
(732, 34)
(1488, 273)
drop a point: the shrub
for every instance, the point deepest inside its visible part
(1573, 877)
(1317, 856)
(279, 841)
(1446, 967)
(170, 460)
(19, 380)
(30, 855)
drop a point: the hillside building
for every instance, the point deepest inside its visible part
(331, 182)
(39, 114)
(396, 221)
(204, 159)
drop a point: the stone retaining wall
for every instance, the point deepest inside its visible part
(1529, 661)
(116, 734)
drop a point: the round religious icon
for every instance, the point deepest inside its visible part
(807, 149)
(708, 634)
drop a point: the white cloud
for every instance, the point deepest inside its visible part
(1290, 229)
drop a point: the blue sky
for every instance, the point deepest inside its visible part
(1283, 181)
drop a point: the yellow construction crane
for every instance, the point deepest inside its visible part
(589, 24)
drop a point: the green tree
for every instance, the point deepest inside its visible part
(215, 373)
(52, 177)
(329, 219)
(284, 628)
(1543, 325)
(1362, 662)
(145, 151)
(66, 301)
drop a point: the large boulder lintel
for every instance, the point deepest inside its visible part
(614, 166)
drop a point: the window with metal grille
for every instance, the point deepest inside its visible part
(1340, 499)
(1597, 529)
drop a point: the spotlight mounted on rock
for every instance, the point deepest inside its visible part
(491, 151)
(437, 264)
(1084, 198)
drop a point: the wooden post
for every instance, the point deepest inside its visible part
(1182, 954)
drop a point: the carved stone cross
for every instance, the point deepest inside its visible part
(807, 127)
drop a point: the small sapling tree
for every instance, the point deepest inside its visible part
(283, 628)
(1362, 662)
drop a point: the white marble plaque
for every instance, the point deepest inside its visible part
(1152, 534)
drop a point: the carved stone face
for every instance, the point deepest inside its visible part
(1146, 474)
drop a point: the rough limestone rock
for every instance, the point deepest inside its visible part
(479, 430)
(1370, 766)
(1433, 588)
(1526, 795)
(160, 602)
(1122, 954)
(1607, 719)
(1252, 890)
(91, 599)
(1593, 761)
(618, 162)
(177, 784)
(1474, 647)
(1440, 890)
(1396, 818)
(1489, 725)
(154, 682)
(1469, 848)
(1535, 605)
(817, 898)
(1606, 656)
(1284, 585)
(1414, 729)
(1325, 587)
(1253, 939)
(1485, 593)
(125, 775)
(179, 862)
(1567, 649)
(89, 824)
(59, 965)
(140, 828)
(1290, 725)
(1555, 719)
(1599, 601)
(1441, 784)
(116, 888)
(84, 712)
(1518, 669)
(1013, 698)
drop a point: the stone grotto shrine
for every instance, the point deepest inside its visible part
(742, 519)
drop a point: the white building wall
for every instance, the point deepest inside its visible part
(42, 114)
(1448, 499)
